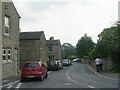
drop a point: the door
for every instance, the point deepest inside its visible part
(16, 61)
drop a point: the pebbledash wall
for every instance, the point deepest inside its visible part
(0, 44)
(10, 41)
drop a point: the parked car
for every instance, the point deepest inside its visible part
(59, 63)
(33, 69)
(55, 65)
(66, 62)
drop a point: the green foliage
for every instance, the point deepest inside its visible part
(115, 69)
(108, 42)
(68, 51)
(92, 54)
(84, 46)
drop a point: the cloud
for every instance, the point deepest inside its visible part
(68, 20)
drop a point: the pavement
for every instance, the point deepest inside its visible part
(12, 79)
(15, 79)
(106, 74)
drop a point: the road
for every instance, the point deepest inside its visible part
(74, 76)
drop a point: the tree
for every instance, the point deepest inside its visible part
(84, 46)
(108, 43)
(92, 54)
(68, 51)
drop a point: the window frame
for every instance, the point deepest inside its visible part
(9, 54)
(7, 25)
(4, 55)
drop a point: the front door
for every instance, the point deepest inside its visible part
(16, 61)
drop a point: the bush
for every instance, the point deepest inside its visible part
(115, 69)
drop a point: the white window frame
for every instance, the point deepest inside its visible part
(9, 54)
(7, 25)
(5, 54)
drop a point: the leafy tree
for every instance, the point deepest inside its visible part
(68, 51)
(108, 43)
(92, 54)
(84, 46)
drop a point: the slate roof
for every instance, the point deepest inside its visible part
(30, 35)
(53, 43)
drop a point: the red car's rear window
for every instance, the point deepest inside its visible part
(31, 65)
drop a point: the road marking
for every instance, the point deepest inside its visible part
(91, 87)
(10, 86)
(18, 86)
(10, 83)
(67, 83)
(102, 75)
(16, 81)
(69, 77)
(49, 72)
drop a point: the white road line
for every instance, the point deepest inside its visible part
(69, 77)
(16, 81)
(10, 83)
(49, 72)
(10, 86)
(102, 75)
(91, 87)
(18, 86)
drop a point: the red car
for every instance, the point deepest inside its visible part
(33, 69)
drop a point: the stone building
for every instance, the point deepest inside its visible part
(53, 49)
(10, 39)
(32, 47)
(0, 43)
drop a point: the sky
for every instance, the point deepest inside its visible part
(67, 20)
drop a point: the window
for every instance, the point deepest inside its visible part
(50, 57)
(31, 65)
(50, 49)
(6, 25)
(4, 55)
(9, 54)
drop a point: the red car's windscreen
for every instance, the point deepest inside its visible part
(31, 65)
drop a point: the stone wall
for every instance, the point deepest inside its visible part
(31, 50)
(12, 41)
(0, 44)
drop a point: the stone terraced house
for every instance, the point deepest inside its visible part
(9, 39)
(32, 47)
(53, 49)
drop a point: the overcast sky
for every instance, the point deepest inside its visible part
(67, 20)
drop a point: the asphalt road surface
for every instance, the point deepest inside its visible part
(74, 76)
